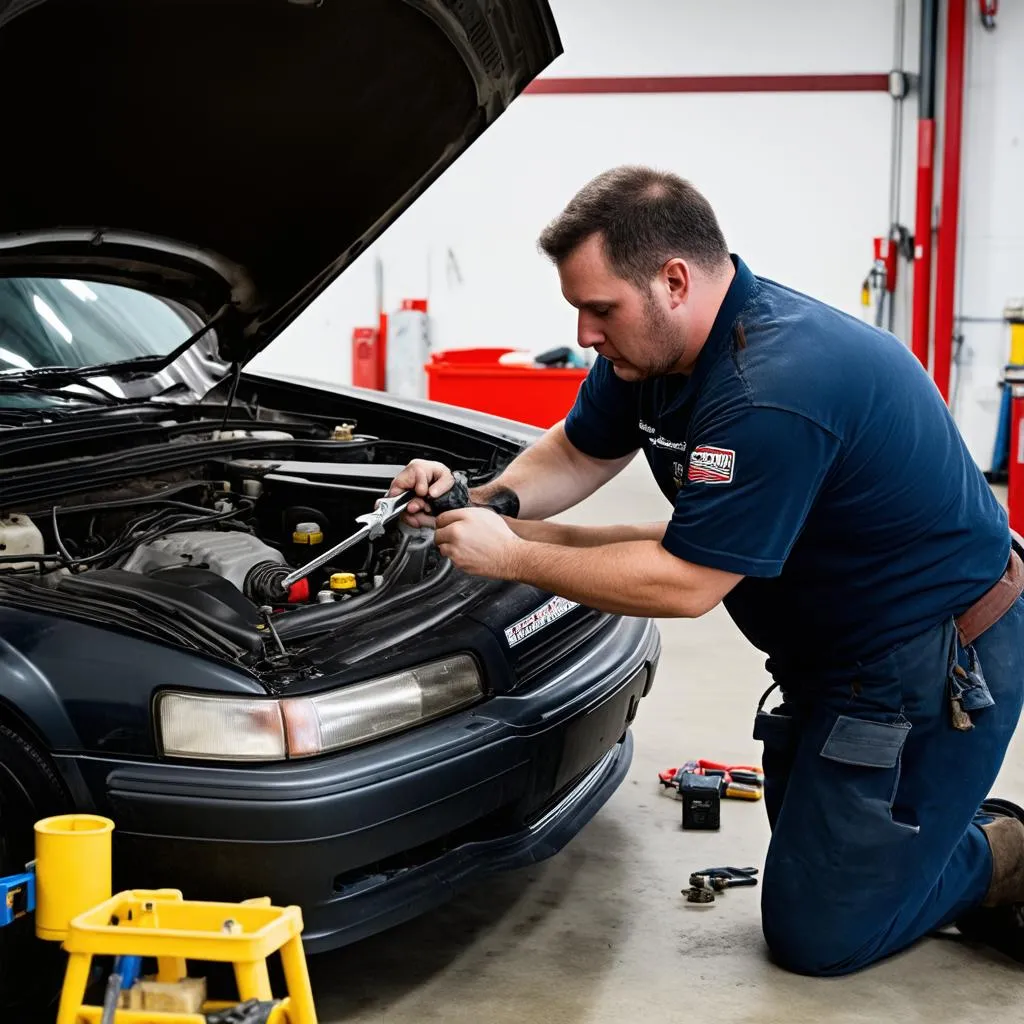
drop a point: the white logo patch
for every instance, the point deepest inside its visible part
(664, 442)
(537, 620)
(710, 465)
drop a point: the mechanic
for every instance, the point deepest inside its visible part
(821, 490)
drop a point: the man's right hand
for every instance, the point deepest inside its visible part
(428, 480)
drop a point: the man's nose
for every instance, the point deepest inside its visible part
(587, 336)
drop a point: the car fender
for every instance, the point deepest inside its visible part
(28, 697)
(31, 695)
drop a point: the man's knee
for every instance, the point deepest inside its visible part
(812, 944)
(798, 946)
(808, 934)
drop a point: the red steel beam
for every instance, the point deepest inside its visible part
(711, 83)
(946, 245)
(922, 307)
(923, 240)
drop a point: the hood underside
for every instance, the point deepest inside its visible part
(240, 154)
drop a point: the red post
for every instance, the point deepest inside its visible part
(923, 240)
(946, 248)
(1015, 462)
(925, 182)
(382, 352)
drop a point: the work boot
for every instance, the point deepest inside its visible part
(999, 921)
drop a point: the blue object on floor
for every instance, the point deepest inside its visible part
(17, 897)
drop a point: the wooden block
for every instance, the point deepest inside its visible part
(132, 999)
(185, 996)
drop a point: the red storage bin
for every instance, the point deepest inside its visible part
(474, 379)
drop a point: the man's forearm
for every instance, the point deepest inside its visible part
(628, 578)
(550, 476)
(570, 535)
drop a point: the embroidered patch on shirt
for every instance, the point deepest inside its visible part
(664, 442)
(711, 465)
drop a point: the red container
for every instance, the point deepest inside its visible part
(365, 358)
(472, 378)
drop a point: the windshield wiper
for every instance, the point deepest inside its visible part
(19, 385)
(140, 364)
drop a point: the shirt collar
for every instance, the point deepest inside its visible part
(720, 337)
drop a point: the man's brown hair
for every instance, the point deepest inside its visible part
(646, 217)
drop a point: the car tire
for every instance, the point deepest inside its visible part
(30, 969)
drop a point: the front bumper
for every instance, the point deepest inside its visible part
(370, 837)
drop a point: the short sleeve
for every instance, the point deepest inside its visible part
(603, 422)
(752, 476)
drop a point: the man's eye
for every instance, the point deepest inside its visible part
(602, 311)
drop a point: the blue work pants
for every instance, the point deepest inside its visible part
(873, 795)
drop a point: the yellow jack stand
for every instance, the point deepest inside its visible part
(72, 872)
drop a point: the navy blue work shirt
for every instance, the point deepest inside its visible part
(810, 453)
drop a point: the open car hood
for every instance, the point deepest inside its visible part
(236, 156)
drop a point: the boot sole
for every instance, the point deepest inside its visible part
(1000, 808)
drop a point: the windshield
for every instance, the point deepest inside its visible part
(65, 322)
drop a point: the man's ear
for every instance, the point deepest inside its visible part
(675, 276)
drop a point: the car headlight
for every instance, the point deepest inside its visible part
(268, 729)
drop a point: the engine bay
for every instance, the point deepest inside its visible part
(193, 548)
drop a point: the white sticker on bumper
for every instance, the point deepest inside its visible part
(537, 620)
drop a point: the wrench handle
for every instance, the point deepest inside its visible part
(304, 570)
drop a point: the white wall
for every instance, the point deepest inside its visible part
(800, 181)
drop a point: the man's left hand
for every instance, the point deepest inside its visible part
(479, 542)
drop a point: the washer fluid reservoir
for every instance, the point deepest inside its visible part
(19, 536)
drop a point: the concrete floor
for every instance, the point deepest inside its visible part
(600, 933)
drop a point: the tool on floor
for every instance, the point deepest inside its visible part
(698, 894)
(737, 782)
(702, 801)
(706, 883)
(720, 879)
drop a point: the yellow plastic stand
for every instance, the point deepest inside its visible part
(160, 924)
(72, 870)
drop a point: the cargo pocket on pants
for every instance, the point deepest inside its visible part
(867, 756)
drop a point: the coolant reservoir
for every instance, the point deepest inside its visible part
(19, 536)
(307, 533)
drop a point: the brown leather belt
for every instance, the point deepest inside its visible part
(993, 604)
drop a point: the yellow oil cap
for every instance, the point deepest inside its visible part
(343, 581)
(307, 533)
